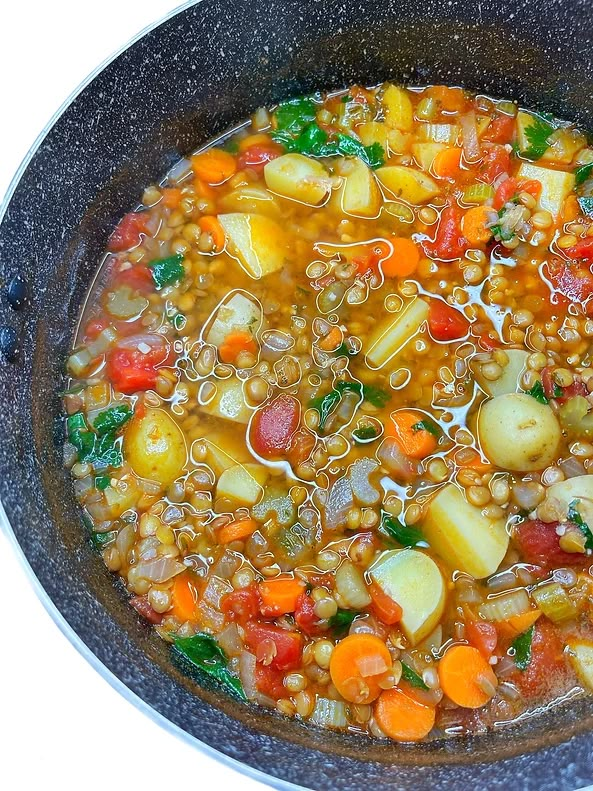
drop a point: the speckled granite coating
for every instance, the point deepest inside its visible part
(185, 81)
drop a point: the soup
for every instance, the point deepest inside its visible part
(329, 417)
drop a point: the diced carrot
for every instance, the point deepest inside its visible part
(204, 190)
(171, 197)
(475, 226)
(234, 343)
(258, 139)
(386, 609)
(236, 531)
(466, 677)
(185, 597)
(415, 440)
(451, 100)
(357, 664)
(447, 163)
(518, 624)
(210, 224)
(404, 259)
(332, 340)
(279, 596)
(403, 718)
(214, 166)
(570, 209)
(531, 186)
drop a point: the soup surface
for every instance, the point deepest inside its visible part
(330, 419)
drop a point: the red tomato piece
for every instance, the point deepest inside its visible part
(138, 277)
(269, 681)
(547, 666)
(257, 156)
(446, 323)
(500, 129)
(495, 162)
(305, 617)
(287, 647)
(128, 232)
(551, 388)
(241, 605)
(582, 250)
(571, 280)
(539, 543)
(94, 328)
(274, 425)
(449, 242)
(482, 635)
(143, 608)
(505, 193)
(133, 364)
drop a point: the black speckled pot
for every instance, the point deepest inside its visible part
(183, 82)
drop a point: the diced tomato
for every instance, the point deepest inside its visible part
(368, 261)
(500, 129)
(547, 666)
(446, 323)
(384, 607)
(94, 328)
(571, 280)
(449, 242)
(582, 250)
(287, 647)
(241, 605)
(539, 543)
(505, 193)
(305, 617)
(301, 445)
(128, 232)
(482, 635)
(143, 608)
(131, 367)
(268, 680)
(361, 95)
(274, 425)
(486, 341)
(577, 388)
(495, 162)
(138, 277)
(257, 156)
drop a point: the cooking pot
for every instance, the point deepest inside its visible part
(203, 69)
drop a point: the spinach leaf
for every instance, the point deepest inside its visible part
(294, 114)
(521, 645)
(575, 517)
(586, 205)
(366, 432)
(372, 155)
(537, 135)
(412, 677)
(427, 425)
(204, 653)
(112, 419)
(98, 449)
(102, 482)
(582, 174)
(313, 141)
(537, 392)
(166, 270)
(340, 622)
(344, 351)
(101, 540)
(376, 396)
(404, 534)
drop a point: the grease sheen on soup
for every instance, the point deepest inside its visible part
(330, 414)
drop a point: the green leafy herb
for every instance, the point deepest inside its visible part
(412, 677)
(101, 540)
(340, 622)
(345, 351)
(102, 482)
(582, 174)
(231, 146)
(295, 114)
(586, 205)
(404, 534)
(427, 425)
(326, 404)
(373, 155)
(537, 392)
(112, 419)
(345, 99)
(204, 653)
(537, 135)
(521, 646)
(311, 140)
(575, 517)
(166, 271)
(101, 450)
(376, 396)
(364, 433)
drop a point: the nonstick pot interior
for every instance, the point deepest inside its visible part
(185, 81)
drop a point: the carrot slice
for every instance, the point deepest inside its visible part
(570, 209)
(404, 259)
(279, 596)
(171, 197)
(185, 597)
(451, 100)
(415, 440)
(234, 343)
(403, 718)
(518, 624)
(214, 165)
(237, 530)
(357, 664)
(466, 677)
(447, 163)
(474, 226)
(386, 609)
(210, 224)
(332, 340)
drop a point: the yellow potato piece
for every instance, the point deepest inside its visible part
(395, 331)
(257, 242)
(242, 483)
(580, 654)
(414, 581)
(556, 186)
(298, 177)
(361, 196)
(239, 310)
(155, 446)
(462, 536)
(411, 185)
(397, 107)
(509, 381)
(228, 402)
(424, 153)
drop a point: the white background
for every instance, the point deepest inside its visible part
(61, 725)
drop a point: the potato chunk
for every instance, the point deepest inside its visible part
(392, 334)
(397, 107)
(229, 402)
(511, 374)
(556, 186)
(560, 495)
(580, 654)
(462, 536)
(414, 581)
(256, 242)
(237, 311)
(155, 446)
(242, 483)
(299, 178)
(361, 196)
(410, 185)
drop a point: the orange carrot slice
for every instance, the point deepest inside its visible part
(474, 226)
(466, 677)
(403, 718)
(214, 166)
(210, 224)
(357, 664)
(404, 259)
(234, 344)
(279, 595)
(415, 440)
(185, 597)
(237, 530)
(447, 163)
(171, 197)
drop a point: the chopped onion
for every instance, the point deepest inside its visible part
(247, 665)
(159, 570)
(79, 361)
(82, 486)
(399, 465)
(329, 713)
(226, 566)
(351, 586)
(362, 489)
(100, 511)
(506, 606)
(365, 624)
(371, 665)
(179, 170)
(229, 640)
(102, 342)
(215, 590)
(339, 502)
(469, 137)
(125, 541)
(572, 467)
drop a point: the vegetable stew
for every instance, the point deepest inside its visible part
(330, 411)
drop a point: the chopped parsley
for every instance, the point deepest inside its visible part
(537, 135)
(365, 433)
(311, 140)
(345, 351)
(412, 677)
(99, 447)
(112, 419)
(582, 174)
(101, 540)
(294, 114)
(521, 646)
(166, 271)
(537, 392)
(576, 519)
(405, 535)
(340, 622)
(202, 652)
(326, 404)
(102, 482)
(427, 425)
